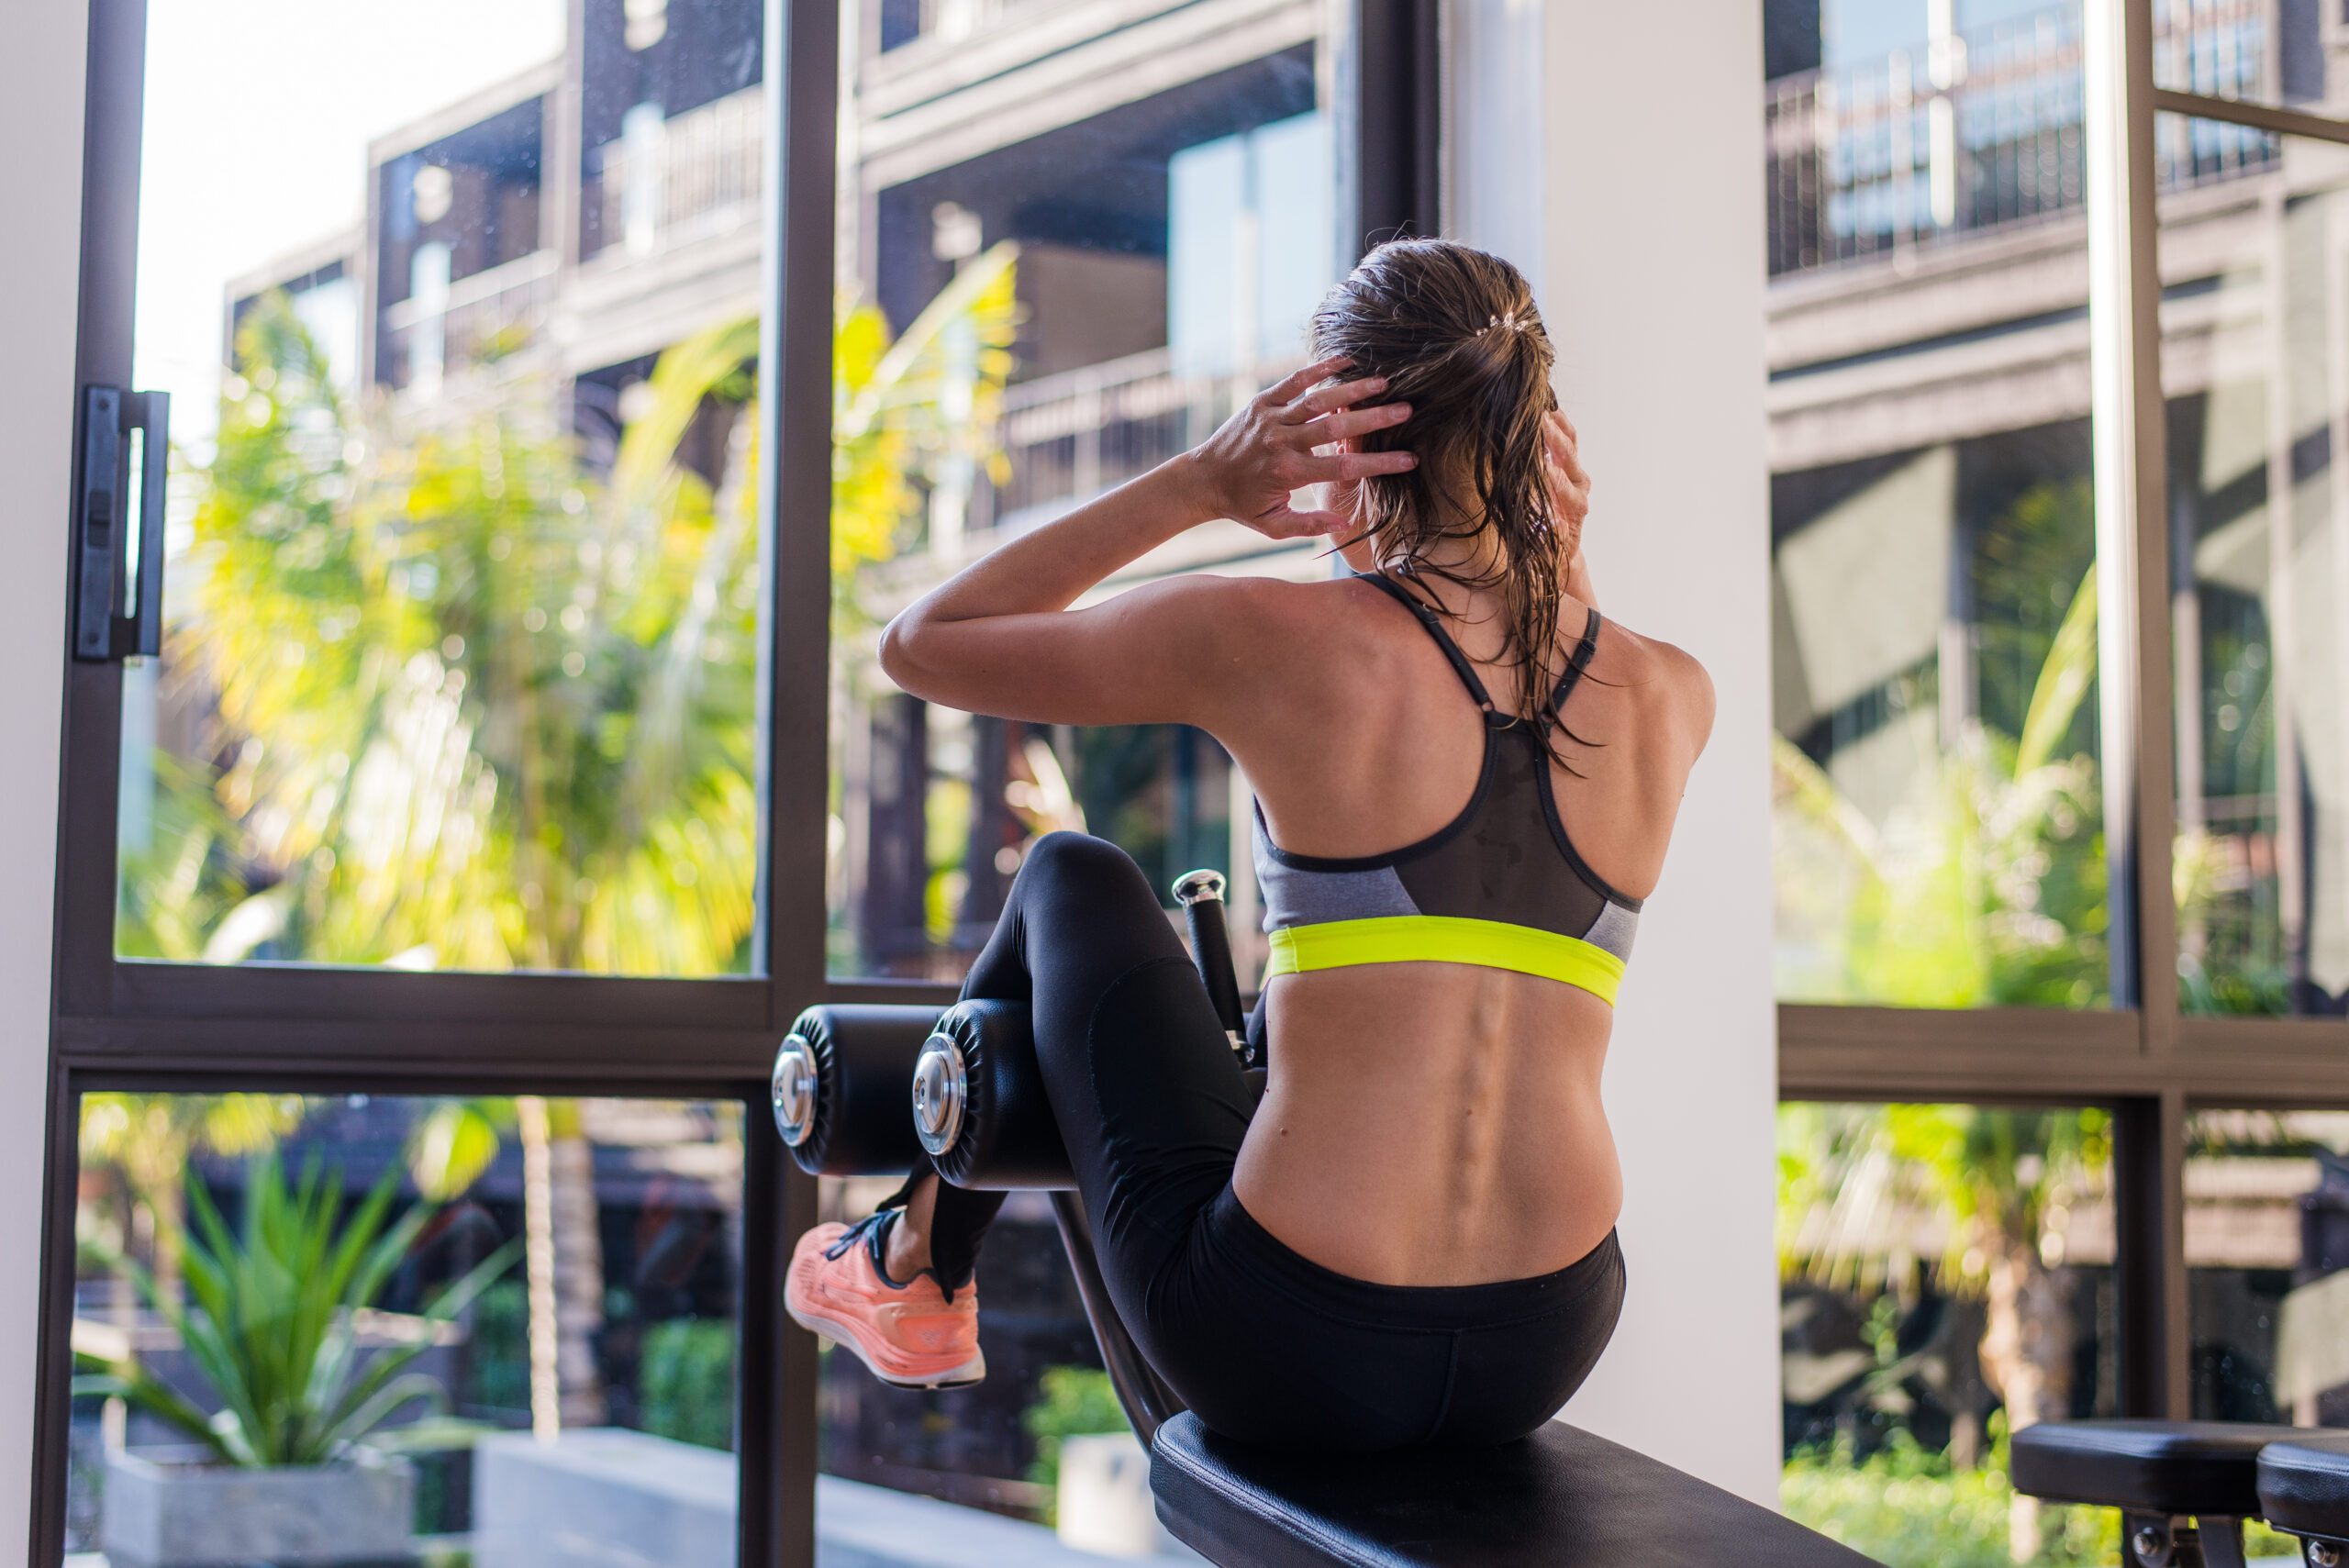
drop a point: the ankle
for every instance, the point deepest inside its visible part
(906, 1251)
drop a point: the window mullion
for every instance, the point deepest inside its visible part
(2132, 557)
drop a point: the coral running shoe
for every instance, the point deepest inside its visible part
(909, 1334)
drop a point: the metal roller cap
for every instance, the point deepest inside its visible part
(941, 1090)
(1200, 887)
(794, 1087)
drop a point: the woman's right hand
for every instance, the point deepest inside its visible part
(1569, 498)
(1252, 466)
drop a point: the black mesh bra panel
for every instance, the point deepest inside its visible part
(1505, 866)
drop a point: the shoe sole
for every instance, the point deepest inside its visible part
(843, 1334)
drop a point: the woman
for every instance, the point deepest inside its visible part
(1466, 780)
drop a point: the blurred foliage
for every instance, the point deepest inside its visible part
(1986, 887)
(1905, 1506)
(2232, 957)
(686, 1380)
(272, 1323)
(907, 409)
(497, 1353)
(461, 702)
(463, 706)
(1849, 1173)
(453, 1143)
(1078, 1401)
(149, 1139)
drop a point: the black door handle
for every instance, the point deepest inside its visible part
(102, 629)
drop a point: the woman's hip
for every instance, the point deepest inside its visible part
(1270, 1348)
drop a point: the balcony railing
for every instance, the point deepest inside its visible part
(488, 317)
(1982, 129)
(683, 179)
(1071, 435)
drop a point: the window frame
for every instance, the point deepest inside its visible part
(2143, 1057)
(310, 1028)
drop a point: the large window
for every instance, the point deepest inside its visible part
(1939, 789)
(1947, 1278)
(476, 755)
(2267, 1242)
(2056, 334)
(1033, 311)
(525, 1267)
(461, 614)
(2255, 271)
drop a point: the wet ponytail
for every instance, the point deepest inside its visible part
(1455, 333)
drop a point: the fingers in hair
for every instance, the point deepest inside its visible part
(1348, 423)
(1289, 389)
(1330, 398)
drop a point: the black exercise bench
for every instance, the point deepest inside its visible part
(2186, 1487)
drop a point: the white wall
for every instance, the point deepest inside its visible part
(41, 191)
(1639, 149)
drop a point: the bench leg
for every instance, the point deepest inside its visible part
(2158, 1541)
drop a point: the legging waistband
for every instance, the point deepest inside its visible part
(1424, 1308)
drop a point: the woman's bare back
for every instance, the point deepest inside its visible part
(1438, 1123)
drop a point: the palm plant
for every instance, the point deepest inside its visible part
(271, 1320)
(469, 706)
(1988, 887)
(147, 1138)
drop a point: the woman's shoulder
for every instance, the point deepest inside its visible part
(1665, 678)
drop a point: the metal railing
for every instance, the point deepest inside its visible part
(483, 319)
(1981, 129)
(694, 175)
(1071, 435)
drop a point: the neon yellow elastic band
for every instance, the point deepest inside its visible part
(1446, 938)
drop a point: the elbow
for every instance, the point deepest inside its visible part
(904, 644)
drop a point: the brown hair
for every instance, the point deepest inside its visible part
(1455, 333)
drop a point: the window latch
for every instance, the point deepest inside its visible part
(119, 558)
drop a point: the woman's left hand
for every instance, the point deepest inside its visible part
(1263, 454)
(1561, 465)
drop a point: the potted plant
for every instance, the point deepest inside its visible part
(271, 1321)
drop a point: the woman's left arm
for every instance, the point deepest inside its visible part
(998, 636)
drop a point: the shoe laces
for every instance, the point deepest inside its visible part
(872, 1233)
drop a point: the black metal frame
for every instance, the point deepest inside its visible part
(162, 1027)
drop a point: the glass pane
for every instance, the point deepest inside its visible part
(1938, 811)
(997, 1448)
(2267, 1245)
(1034, 308)
(549, 1306)
(1947, 1279)
(2255, 51)
(2256, 262)
(460, 642)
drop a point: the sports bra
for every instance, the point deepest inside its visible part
(1500, 886)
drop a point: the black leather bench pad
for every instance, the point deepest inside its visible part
(2155, 1467)
(1560, 1498)
(2304, 1483)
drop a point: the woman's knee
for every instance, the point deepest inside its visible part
(1082, 863)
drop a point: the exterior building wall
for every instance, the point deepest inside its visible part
(40, 105)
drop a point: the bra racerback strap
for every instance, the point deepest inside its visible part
(1428, 618)
(1578, 663)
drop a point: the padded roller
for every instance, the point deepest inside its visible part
(979, 1102)
(2304, 1488)
(840, 1089)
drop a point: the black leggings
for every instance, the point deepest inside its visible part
(1266, 1346)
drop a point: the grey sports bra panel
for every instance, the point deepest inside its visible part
(1507, 856)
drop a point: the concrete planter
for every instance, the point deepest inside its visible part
(166, 1508)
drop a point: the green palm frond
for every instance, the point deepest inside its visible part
(271, 1319)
